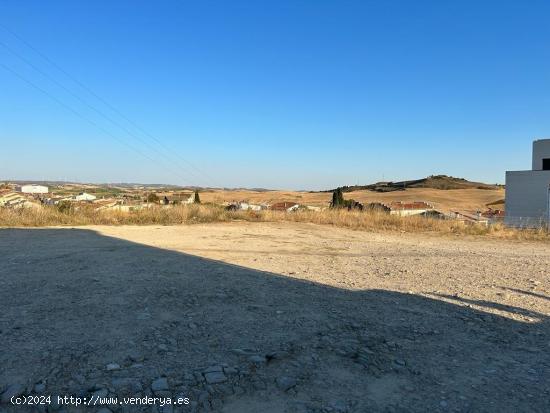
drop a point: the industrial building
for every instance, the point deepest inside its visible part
(33, 189)
(528, 192)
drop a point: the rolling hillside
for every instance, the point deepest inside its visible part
(443, 182)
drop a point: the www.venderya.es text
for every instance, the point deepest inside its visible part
(98, 401)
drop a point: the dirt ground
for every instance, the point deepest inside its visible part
(274, 317)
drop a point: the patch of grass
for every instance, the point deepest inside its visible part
(203, 213)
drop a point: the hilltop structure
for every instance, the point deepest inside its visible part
(528, 192)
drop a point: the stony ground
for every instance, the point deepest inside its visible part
(274, 318)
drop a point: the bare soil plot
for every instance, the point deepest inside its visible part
(285, 317)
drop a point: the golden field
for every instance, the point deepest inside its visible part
(443, 200)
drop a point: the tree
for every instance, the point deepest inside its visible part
(65, 207)
(337, 198)
(152, 197)
(197, 199)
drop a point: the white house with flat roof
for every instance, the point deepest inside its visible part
(83, 196)
(528, 192)
(33, 189)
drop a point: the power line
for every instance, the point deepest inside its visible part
(78, 114)
(108, 118)
(118, 112)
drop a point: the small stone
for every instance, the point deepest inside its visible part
(13, 390)
(112, 366)
(82, 392)
(216, 404)
(198, 377)
(225, 389)
(443, 404)
(230, 370)
(259, 384)
(131, 384)
(277, 355)
(215, 377)
(203, 396)
(79, 378)
(39, 388)
(339, 406)
(101, 393)
(134, 355)
(238, 391)
(160, 384)
(257, 359)
(286, 383)
(213, 369)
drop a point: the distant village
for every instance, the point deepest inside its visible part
(128, 200)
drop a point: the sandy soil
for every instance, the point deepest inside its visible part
(443, 200)
(265, 317)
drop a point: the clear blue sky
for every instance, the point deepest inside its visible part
(279, 94)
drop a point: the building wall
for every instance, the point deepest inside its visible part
(34, 189)
(541, 150)
(85, 197)
(407, 212)
(527, 198)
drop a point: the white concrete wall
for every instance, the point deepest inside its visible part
(407, 212)
(33, 189)
(541, 150)
(85, 197)
(527, 198)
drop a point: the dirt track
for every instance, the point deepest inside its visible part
(284, 317)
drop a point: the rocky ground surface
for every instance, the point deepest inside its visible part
(266, 317)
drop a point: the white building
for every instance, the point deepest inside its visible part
(83, 196)
(406, 209)
(527, 192)
(33, 189)
(245, 206)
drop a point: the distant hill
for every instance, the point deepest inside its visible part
(133, 185)
(443, 182)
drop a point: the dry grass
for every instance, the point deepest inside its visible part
(443, 200)
(49, 215)
(189, 214)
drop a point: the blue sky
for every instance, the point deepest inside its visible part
(277, 94)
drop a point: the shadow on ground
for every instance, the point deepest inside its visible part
(84, 314)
